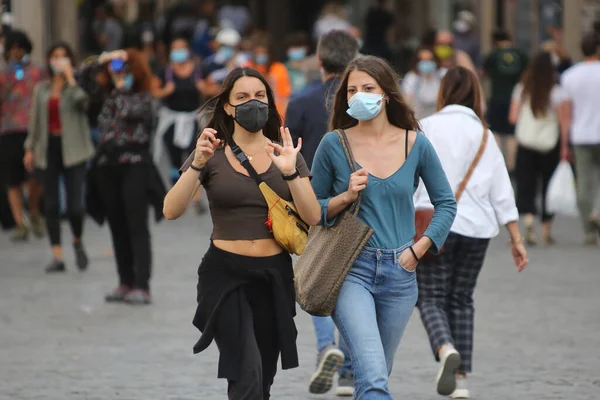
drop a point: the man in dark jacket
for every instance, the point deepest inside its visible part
(307, 118)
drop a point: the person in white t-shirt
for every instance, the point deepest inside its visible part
(534, 110)
(580, 127)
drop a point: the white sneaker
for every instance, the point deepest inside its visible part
(461, 391)
(446, 377)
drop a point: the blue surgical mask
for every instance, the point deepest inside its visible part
(365, 106)
(224, 54)
(128, 84)
(261, 59)
(426, 67)
(296, 54)
(179, 55)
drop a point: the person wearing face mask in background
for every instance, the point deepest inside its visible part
(181, 98)
(275, 71)
(123, 182)
(297, 45)
(466, 38)
(59, 144)
(216, 67)
(379, 292)
(17, 80)
(421, 85)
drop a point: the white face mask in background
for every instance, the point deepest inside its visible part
(461, 26)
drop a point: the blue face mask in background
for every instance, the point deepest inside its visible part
(179, 55)
(296, 54)
(426, 67)
(128, 84)
(224, 54)
(365, 106)
(261, 59)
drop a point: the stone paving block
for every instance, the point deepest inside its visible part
(536, 332)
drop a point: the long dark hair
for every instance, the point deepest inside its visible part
(60, 45)
(461, 87)
(398, 112)
(223, 123)
(538, 81)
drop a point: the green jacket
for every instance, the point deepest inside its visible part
(77, 145)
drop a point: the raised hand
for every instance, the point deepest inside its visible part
(286, 160)
(205, 147)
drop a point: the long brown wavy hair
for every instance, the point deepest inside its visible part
(461, 87)
(398, 112)
(538, 81)
(139, 68)
(223, 123)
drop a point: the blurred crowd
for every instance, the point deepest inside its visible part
(106, 134)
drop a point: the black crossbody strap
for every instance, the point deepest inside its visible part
(241, 156)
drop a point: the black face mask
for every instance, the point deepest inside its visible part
(252, 115)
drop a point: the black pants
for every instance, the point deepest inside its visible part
(74, 178)
(534, 168)
(124, 196)
(446, 286)
(261, 349)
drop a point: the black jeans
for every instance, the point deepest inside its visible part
(534, 168)
(124, 195)
(74, 179)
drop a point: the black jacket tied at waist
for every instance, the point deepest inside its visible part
(222, 299)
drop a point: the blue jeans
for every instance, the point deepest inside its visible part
(372, 311)
(325, 331)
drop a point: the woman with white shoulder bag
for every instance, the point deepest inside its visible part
(534, 110)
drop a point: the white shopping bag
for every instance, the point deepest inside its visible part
(562, 196)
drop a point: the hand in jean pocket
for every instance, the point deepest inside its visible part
(407, 260)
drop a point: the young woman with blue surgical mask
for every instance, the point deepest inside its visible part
(180, 98)
(297, 45)
(379, 293)
(420, 86)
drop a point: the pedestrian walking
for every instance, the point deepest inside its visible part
(504, 67)
(580, 126)
(59, 144)
(380, 290)
(534, 109)
(17, 80)
(123, 171)
(475, 168)
(308, 118)
(246, 296)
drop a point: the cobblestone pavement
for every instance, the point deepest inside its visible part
(537, 333)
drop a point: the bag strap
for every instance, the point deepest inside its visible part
(350, 158)
(461, 188)
(241, 156)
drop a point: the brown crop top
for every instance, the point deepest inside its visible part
(237, 207)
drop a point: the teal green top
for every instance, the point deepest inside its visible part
(387, 204)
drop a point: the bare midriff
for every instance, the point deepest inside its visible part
(250, 248)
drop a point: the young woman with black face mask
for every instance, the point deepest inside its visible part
(246, 298)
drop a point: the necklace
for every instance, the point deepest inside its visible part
(249, 156)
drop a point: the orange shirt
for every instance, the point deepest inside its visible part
(279, 79)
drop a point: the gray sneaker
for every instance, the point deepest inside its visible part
(329, 360)
(345, 385)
